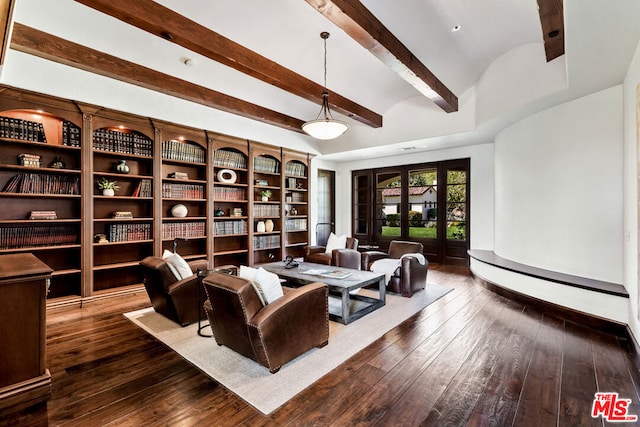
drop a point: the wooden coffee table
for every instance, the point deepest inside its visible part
(343, 306)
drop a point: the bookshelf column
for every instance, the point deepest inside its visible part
(87, 206)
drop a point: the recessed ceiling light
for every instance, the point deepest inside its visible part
(456, 28)
(188, 62)
(407, 148)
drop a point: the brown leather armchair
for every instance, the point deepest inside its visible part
(410, 276)
(317, 254)
(174, 299)
(271, 335)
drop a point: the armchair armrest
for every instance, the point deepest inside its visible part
(308, 250)
(198, 264)
(370, 257)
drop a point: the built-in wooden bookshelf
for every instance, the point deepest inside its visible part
(41, 181)
(266, 167)
(295, 184)
(53, 152)
(184, 184)
(123, 231)
(231, 199)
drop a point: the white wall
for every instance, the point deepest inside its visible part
(481, 226)
(631, 140)
(559, 188)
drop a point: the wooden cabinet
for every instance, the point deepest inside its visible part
(63, 149)
(24, 378)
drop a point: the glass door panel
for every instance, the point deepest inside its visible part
(423, 204)
(388, 206)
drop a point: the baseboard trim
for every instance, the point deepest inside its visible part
(605, 325)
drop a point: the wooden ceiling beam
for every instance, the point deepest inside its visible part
(359, 23)
(552, 21)
(163, 22)
(47, 46)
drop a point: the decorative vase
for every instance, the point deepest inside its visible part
(121, 167)
(179, 211)
(108, 192)
(57, 163)
(218, 212)
(268, 226)
(261, 227)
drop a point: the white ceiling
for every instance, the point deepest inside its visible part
(601, 37)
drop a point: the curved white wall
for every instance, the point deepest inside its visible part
(558, 188)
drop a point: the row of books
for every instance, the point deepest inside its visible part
(21, 129)
(128, 232)
(185, 230)
(226, 193)
(266, 242)
(143, 189)
(295, 197)
(183, 151)
(297, 224)
(41, 183)
(70, 134)
(222, 228)
(122, 142)
(25, 237)
(265, 164)
(229, 159)
(266, 210)
(295, 168)
(182, 191)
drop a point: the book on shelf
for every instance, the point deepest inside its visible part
(229, 159)
(15, 237)
(296, 169)
(143, 189)
(179, 175)
(265, 164)
(26, 130)
(40, 215)
(70, 134)
(42, 183)
(122, 214)
(183, 151)
(122, 142)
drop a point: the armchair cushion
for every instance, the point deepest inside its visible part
(267, 285)
(335, 242)
(178, 266)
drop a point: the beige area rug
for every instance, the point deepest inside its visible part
(253, 382)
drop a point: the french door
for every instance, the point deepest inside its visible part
(427, 203)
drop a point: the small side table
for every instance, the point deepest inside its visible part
(227, 269)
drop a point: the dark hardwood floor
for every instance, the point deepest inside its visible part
(471, 358)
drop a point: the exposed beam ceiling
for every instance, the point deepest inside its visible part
(47, 46)
(552, 22)
(163, 22)
(357, 21)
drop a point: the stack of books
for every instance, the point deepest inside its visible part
(179, 175)
(31, 160)
(40, 215)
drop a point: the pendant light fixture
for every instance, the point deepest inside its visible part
(325, 126)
